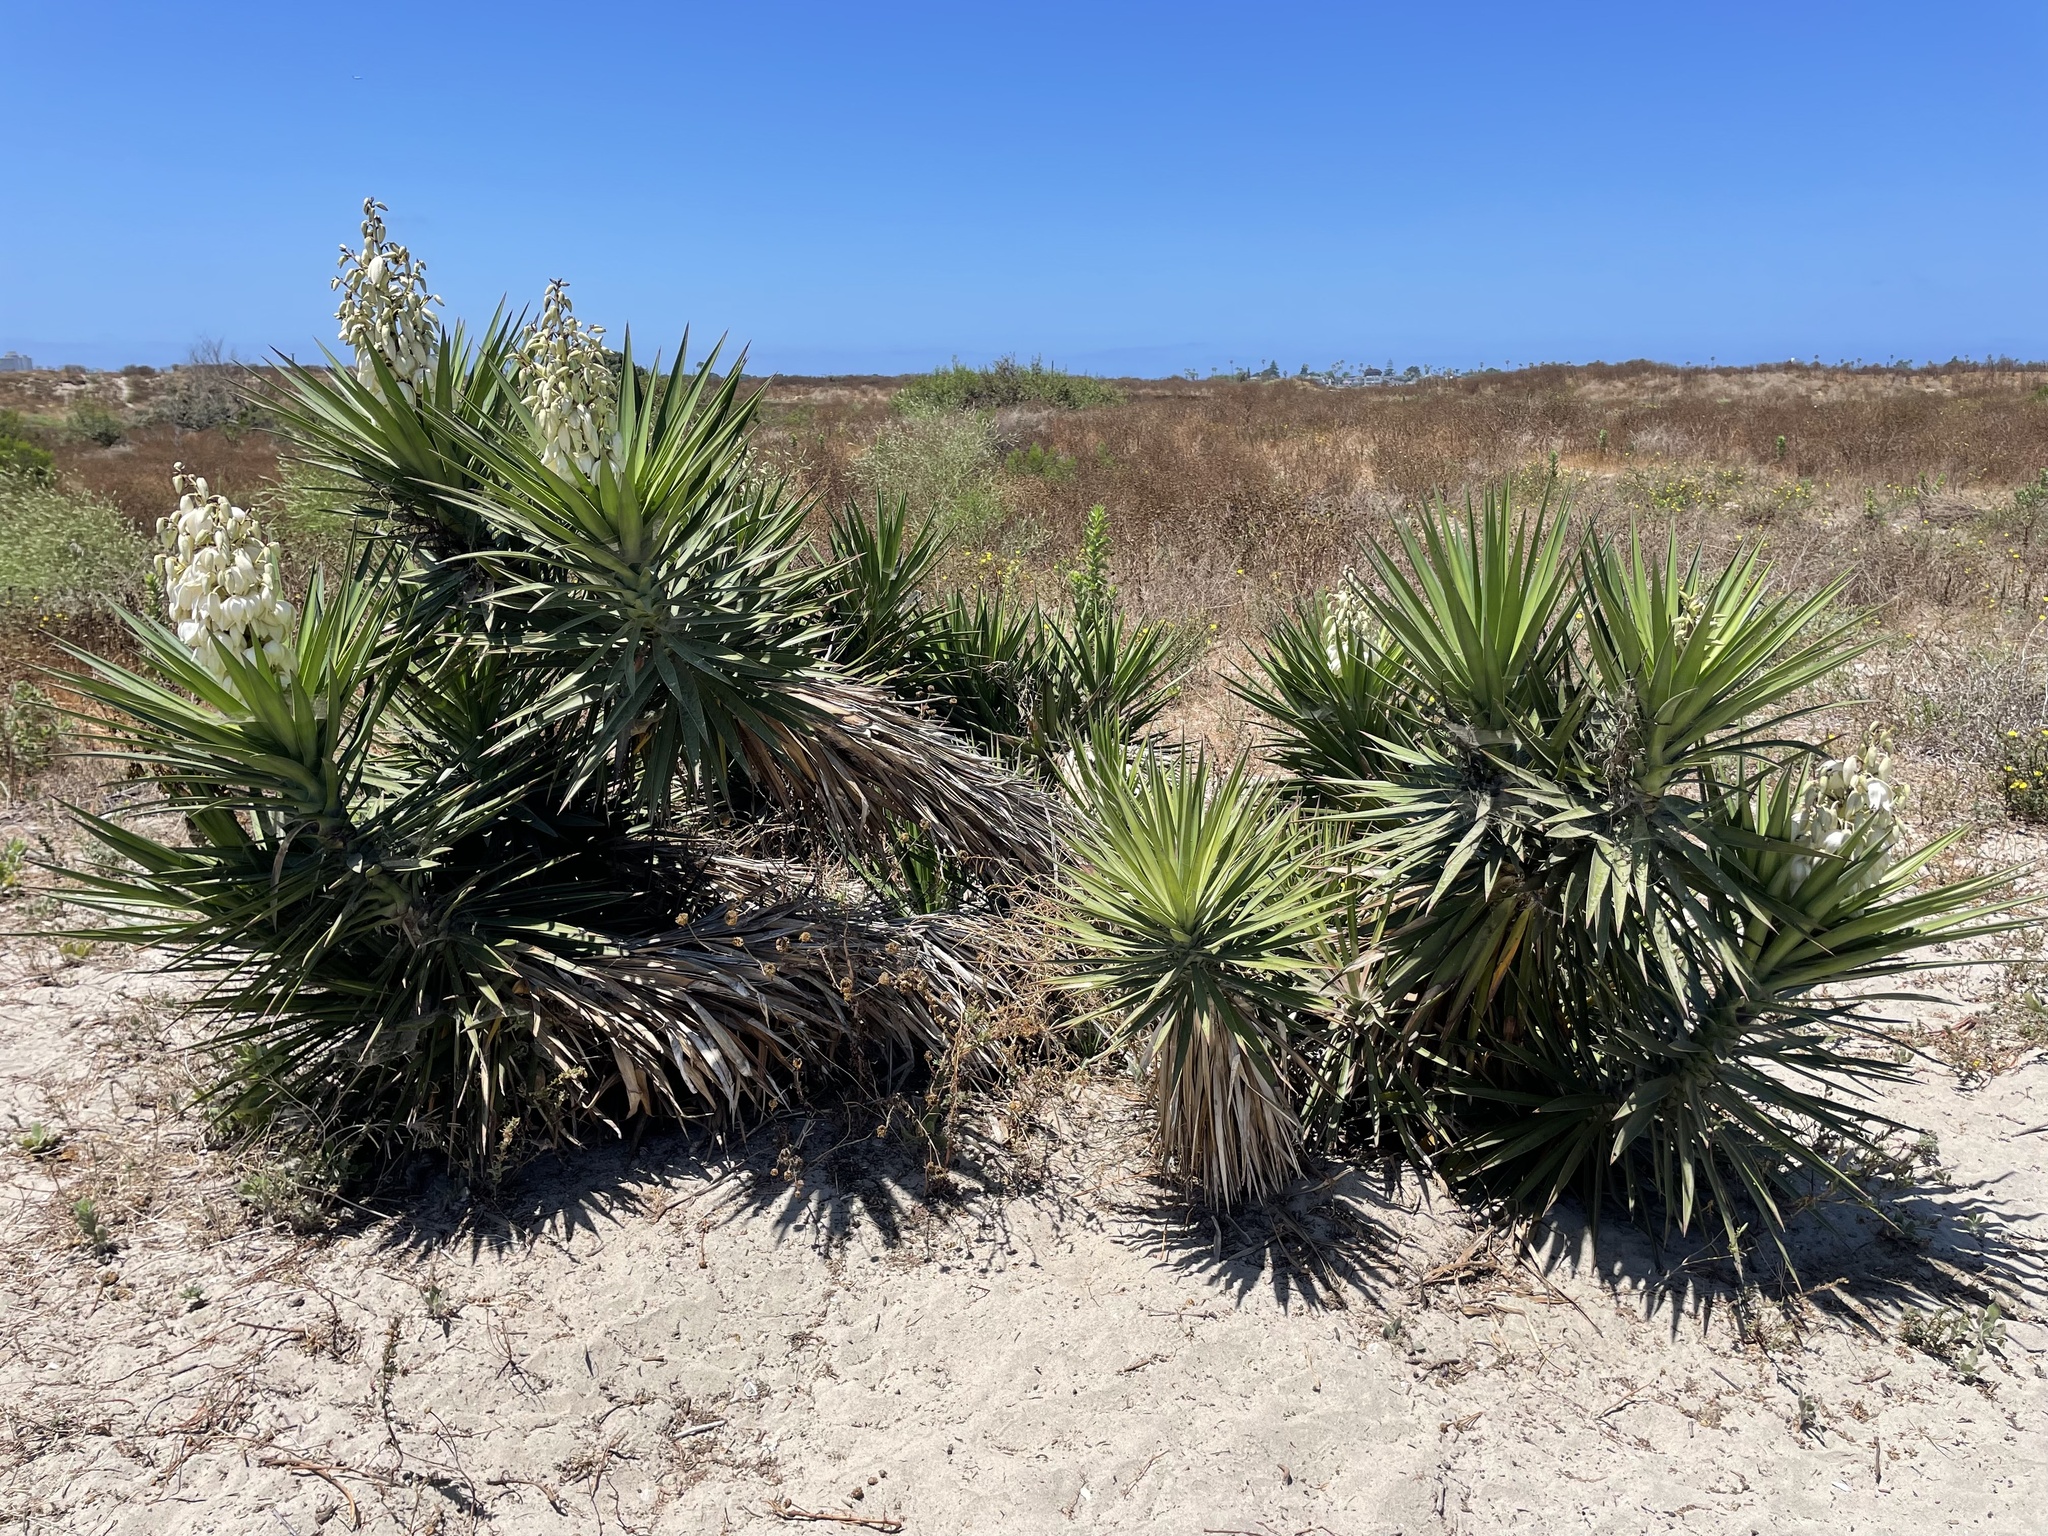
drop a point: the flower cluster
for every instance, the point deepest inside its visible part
(1348, 617)
(1851, 800)
(568, 387)
(385, 307)
(221, 581)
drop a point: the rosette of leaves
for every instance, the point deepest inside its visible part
(1027, 682)
(1565, 769)
(1194, 913)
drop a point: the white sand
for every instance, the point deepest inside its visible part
(676, 1340)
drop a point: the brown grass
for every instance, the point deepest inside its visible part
(1230, 499)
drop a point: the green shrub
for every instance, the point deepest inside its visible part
(2024, 775)
(943, 467)
(21, 459)
(95, 423)
(1609, 893)
(65, 554)
(1046, 463)
(1006, 383)
(29, 737)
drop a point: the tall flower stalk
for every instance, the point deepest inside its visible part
(568, 388)
(386, 310)
(221, 583)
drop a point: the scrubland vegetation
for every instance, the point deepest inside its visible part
(490, 749)
(1497, 771)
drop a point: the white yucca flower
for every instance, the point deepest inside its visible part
(385, 307)
(568, 388)
(1348, 616)
(1849, 799)
(221, 581)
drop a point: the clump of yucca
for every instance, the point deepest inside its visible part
(459, 844)
(1628, 927)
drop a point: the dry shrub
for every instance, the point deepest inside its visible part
(135, 474)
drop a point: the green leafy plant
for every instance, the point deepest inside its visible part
(1194, 924)
(30, 736)
(1089, 587)
(92, 1227)
(1958, 1337)
(1043, 462)
(1608, 910)
(13, 864)
(95, 423)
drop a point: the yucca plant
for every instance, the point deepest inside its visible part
(1026, 682)
(1328, 685)
(1614, 943)
(1193, 912)
(470, 847)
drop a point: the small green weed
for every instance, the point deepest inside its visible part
(91, 1227)
(76, 951)
(1809, 1414)
(36, 1139)
(1957, 1337)
(441, 1307)
(297, 1191)
(30, 730)
(1046, 463)
(193, 1297)
(13, 865)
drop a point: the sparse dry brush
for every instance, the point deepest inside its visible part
(1230, 497)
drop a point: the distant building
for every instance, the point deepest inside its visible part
(14, 362)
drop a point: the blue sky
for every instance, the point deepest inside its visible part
(1123, 188)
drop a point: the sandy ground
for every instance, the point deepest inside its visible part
(695, 1338)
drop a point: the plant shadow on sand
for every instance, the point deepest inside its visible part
(1371, 1237)
(814, 1177)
